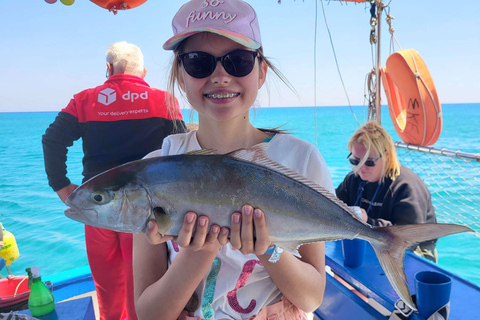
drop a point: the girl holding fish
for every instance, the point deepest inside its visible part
(212, 271)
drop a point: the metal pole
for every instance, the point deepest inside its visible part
(443, 152)
(378, 104)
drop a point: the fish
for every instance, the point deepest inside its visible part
(297, 210)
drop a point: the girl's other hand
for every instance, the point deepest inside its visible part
(152, 233)
(184, 237)
(242, 231)
(204, 238)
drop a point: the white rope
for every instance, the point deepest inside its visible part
(336, 62)
(437, 119)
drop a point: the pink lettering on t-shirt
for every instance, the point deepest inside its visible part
(175, 246)
(242, 280)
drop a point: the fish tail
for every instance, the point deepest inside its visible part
(391, 253)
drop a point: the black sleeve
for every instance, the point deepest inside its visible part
(387, 213)
(411, 202)
(408, 202)
(343, 191)
(379, 222)
(57, 138)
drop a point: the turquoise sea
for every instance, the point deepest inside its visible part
(47, 239)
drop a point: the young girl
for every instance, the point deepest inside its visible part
(220, 272)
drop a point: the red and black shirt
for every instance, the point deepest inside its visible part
(119, 121)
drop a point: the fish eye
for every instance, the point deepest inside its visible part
(100, 197)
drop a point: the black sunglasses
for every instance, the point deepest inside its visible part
(200, 64)
(369, 163)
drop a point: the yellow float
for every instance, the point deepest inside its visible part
(9, 249)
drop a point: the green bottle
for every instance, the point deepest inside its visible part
(41, 300)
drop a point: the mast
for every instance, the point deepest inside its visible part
(374, 84)
(378, 104)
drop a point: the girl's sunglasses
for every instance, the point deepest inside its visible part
(369, 163)
(200, 64)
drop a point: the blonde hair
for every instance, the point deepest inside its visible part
(125, 58)
(374, 137)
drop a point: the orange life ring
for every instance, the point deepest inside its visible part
(412, 98)
(115, 5)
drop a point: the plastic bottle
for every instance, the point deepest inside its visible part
(41, 300)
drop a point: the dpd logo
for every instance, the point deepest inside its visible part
(107, 96)
(132, 96)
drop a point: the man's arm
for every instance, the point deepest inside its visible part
(57, 138)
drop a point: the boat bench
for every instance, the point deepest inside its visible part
(371, 280)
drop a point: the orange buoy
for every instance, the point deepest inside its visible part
(115, 5)
(412, 98)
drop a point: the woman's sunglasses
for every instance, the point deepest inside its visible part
(200, 64)
(369, 163)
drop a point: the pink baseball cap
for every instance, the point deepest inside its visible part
(234, 19)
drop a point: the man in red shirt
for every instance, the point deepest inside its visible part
(119, 121)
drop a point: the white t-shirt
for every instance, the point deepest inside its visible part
(238, 286)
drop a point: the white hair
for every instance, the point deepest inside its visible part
(125, 58)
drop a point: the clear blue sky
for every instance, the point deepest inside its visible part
(49, 52)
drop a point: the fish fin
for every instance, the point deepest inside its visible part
(258, 155)
(253, 154)
(391, 253)
(201, 152)
(163, 221)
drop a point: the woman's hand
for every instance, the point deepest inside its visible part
(364, 215)
(198, 240)
(242, 230)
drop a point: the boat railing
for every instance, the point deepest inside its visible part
(443, 152)
(453, 178)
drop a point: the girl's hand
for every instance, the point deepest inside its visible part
(202, 238)
(242, 231)
(184, 238)
(153, 236)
